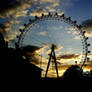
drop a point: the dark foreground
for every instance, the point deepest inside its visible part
(15, 68)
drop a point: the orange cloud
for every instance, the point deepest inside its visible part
(68, 56)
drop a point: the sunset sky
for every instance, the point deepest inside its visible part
(14, 13)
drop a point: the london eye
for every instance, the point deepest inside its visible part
(55, 41)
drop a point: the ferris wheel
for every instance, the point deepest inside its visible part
(55, 41)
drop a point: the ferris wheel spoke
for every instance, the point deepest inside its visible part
(54, 35)
(40, 38)
(36, 40)
(48, 34)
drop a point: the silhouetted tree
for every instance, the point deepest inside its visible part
(74, 72)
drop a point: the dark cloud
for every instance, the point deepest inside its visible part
(5, 4)
(30, 49)
(4, 28)
(67, 56)
(34, 58)
(31, 54)
(9, 7)
(87, 26)
(11, 10)
(87, 23)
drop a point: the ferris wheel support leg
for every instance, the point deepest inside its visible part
(56, 65)
(48, 65)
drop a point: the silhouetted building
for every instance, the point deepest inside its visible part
(14, 66)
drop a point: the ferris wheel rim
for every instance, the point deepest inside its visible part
(55, 17)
